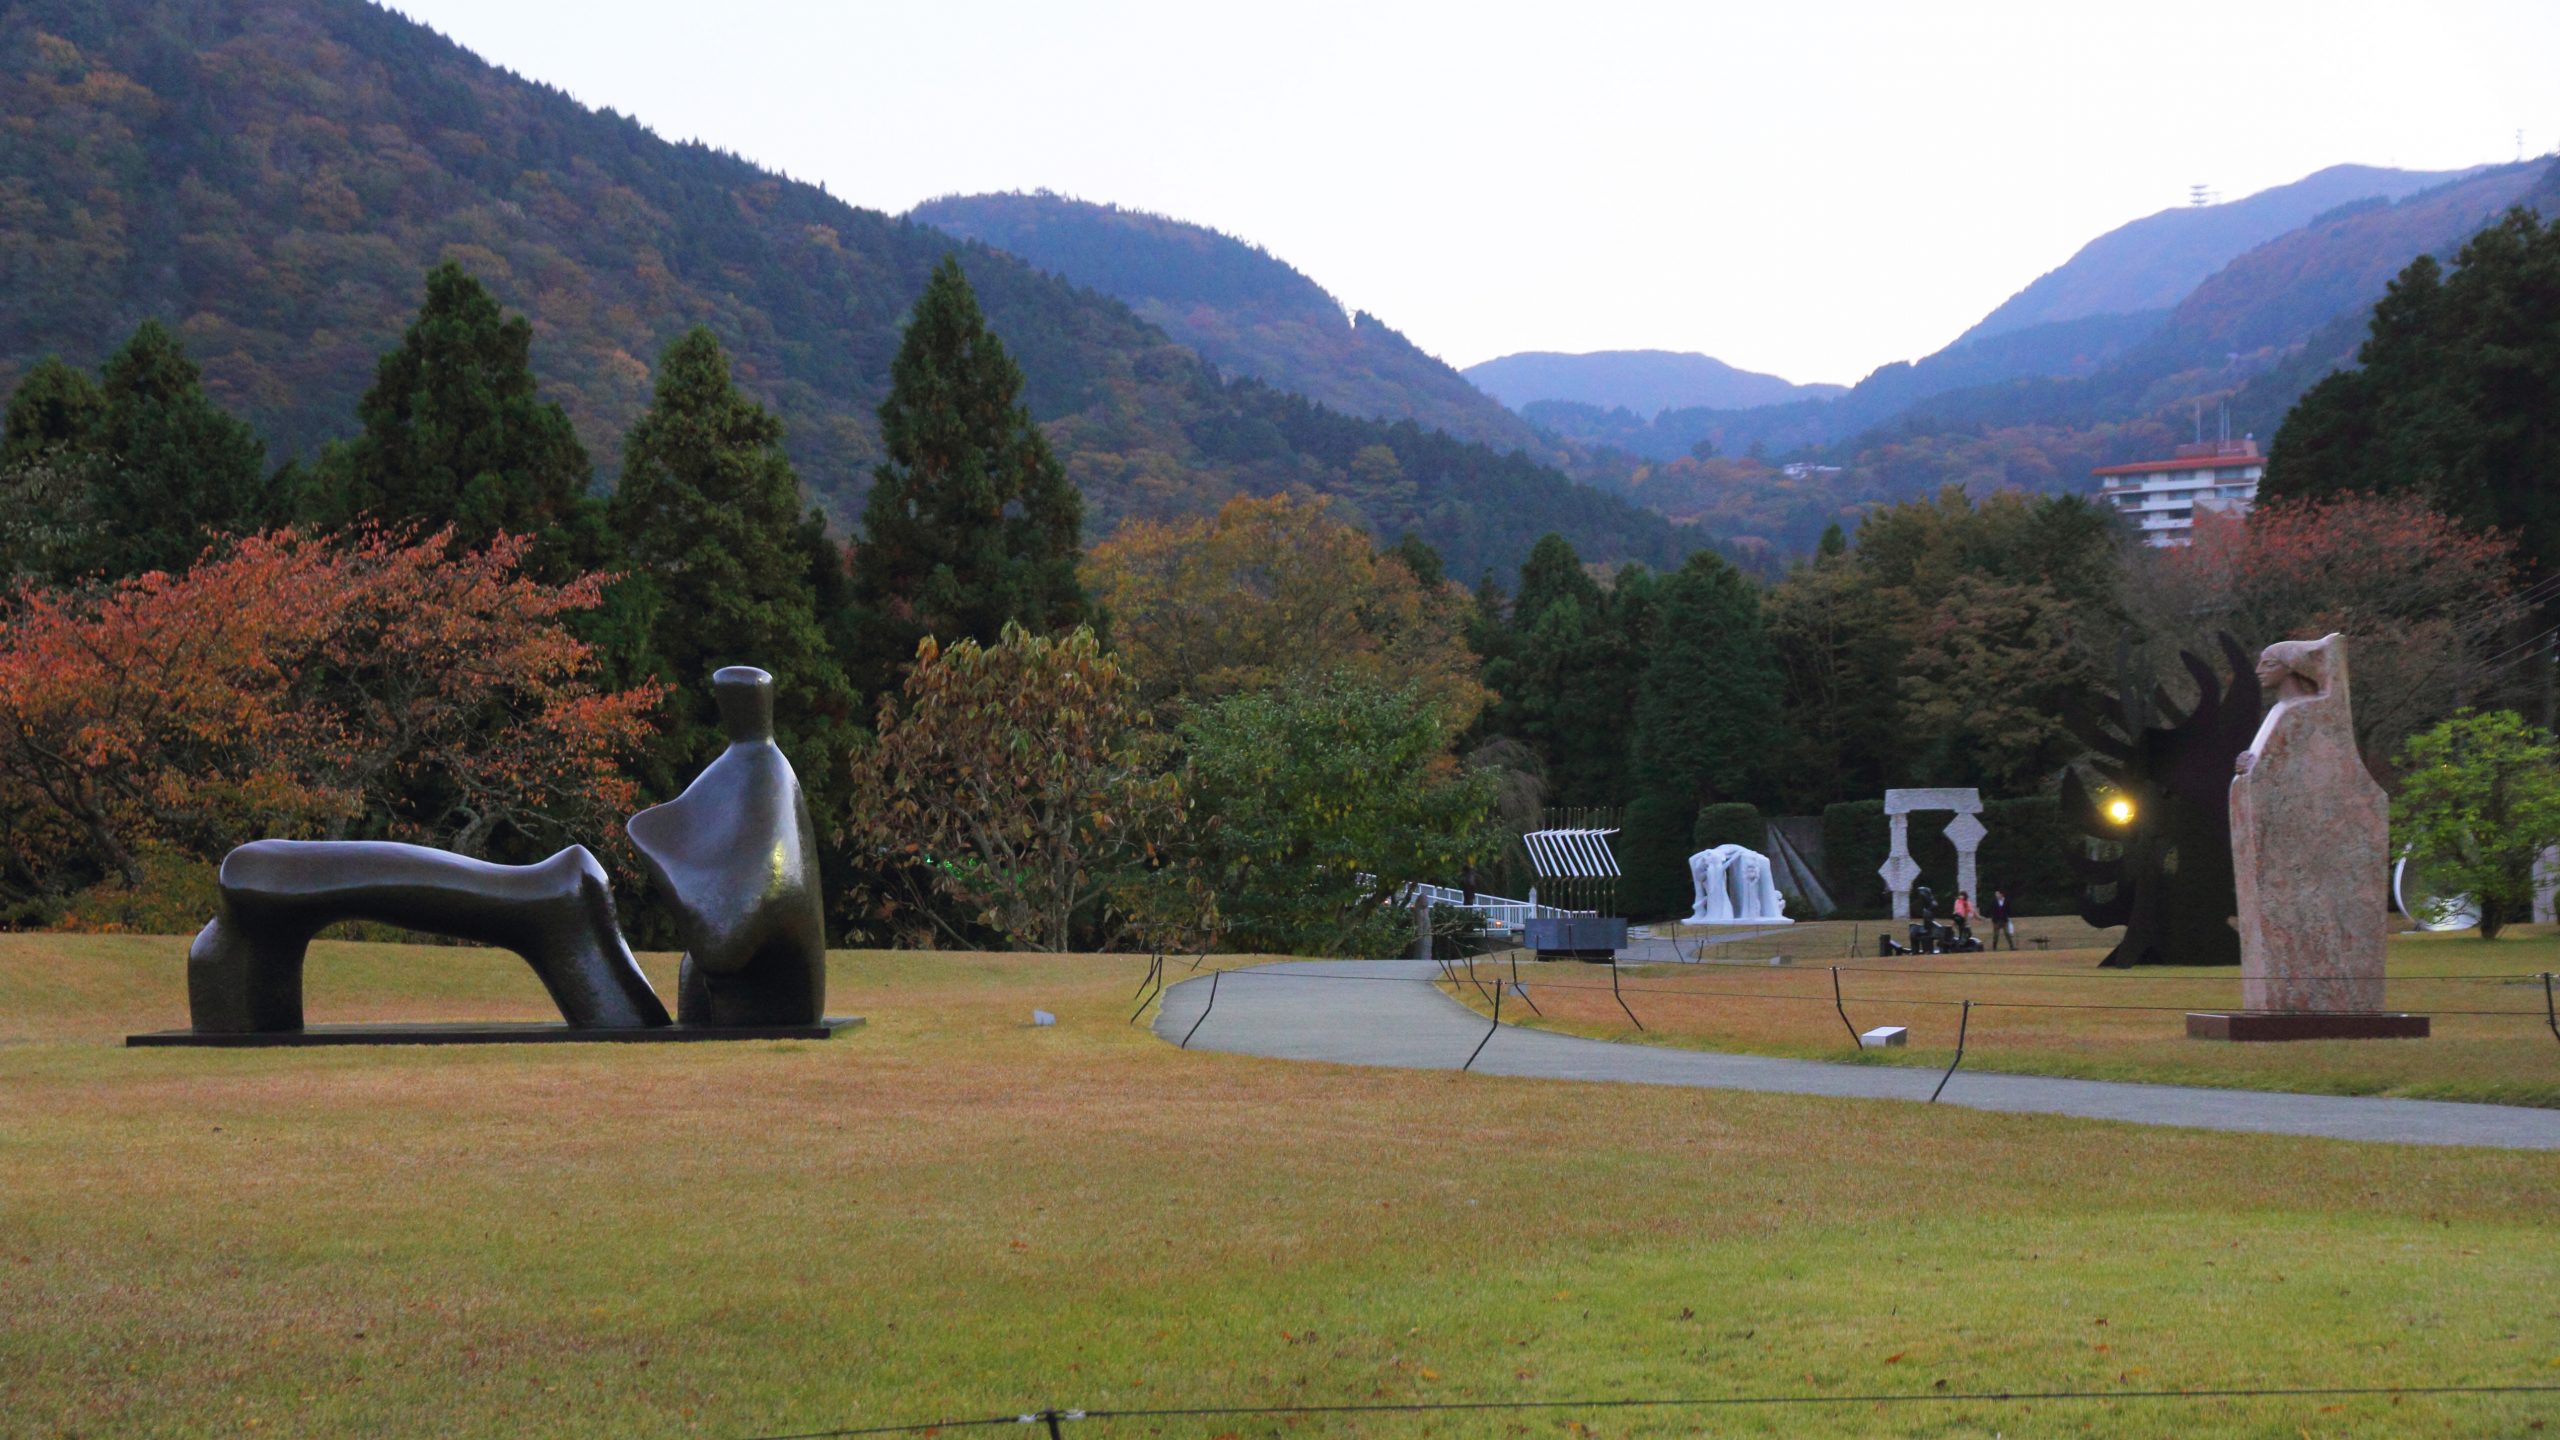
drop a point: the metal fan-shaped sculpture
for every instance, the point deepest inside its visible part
(2170, 884)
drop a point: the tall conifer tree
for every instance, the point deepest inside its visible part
(454, 432)
(971, 522)
(713, 537)
(1707, 708)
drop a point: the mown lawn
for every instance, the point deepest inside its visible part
(952, 1213)
(2050, 1011)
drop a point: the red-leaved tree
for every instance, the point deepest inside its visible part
(2426, 603)
(297, 685)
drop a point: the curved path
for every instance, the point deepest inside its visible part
(1387, 1012)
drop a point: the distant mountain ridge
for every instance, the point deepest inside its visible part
(1645, 382)
(2245, 318)
(274, 177)
(1241, 308)
(2152, 263)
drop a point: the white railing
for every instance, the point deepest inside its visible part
(1498, 913)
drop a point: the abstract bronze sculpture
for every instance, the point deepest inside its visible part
(2170, 884)
(244, 972)
(736, 855)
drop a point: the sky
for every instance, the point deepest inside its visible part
(1811, 188)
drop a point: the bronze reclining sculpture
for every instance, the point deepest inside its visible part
(736, 855)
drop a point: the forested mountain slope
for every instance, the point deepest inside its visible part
(2254, 335)
(2252, 316)
(1244, 310)
(273, 177)
(2151, 263)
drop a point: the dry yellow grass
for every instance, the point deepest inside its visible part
(1742, 1002)
(954, 1213)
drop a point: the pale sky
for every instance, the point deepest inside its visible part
(1806, 188)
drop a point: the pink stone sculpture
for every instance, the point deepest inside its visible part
(2310, 842)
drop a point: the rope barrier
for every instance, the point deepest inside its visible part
(1052, 1418)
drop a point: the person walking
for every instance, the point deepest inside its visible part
(1997, 912)
(1964, 913)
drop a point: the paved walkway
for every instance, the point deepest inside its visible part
(1387, 1012)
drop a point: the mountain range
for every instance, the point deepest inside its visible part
(1241, 308)
(2256, 329)
(274, 177)
(1643, 382)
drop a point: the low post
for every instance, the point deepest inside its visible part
(1488, 1035)
(2550, 1016)
(1204, 1011)
(1964, 1022)
(1155, 973)
(1622, 1000)
(1522, 991)
(1844, 1010)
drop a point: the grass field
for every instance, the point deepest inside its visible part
(952, 1213)
(1740, 1001)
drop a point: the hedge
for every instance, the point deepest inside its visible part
(1729, 824)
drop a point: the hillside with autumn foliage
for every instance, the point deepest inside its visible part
(273, 177)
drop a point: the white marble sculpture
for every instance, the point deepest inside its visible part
(1735, 886)
(1900, 870)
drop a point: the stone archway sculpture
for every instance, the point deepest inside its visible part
(1899, 870)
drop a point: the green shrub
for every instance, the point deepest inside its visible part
(1729, 824)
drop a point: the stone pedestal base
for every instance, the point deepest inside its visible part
(1576, 937)
(490, 1032)
(2306, 1025)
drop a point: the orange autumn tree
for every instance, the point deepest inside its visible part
(297, 685)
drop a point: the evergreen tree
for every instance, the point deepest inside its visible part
(1565, 668)
(454, 433)
(47, 456)
(1417, 556)
(2453, 396)
(1708, 703)
(709, 526)
(56, 408)
(1552, 572)
(971, 523)
(1834, 542)
(144, 465)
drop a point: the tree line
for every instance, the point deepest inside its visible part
(1251, 726)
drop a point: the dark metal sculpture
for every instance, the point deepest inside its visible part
(2171, 883)
(737, 856)
(244, 972)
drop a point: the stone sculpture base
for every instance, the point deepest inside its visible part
(2248, 1025)
(487, 1032)
(1576, 937)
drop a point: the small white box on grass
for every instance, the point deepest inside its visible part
(1043, 1017)
(1884, 1035)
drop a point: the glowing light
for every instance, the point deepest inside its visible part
(2120, 810)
